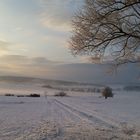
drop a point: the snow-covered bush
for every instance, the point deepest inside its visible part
(62, 94)
(107, 92)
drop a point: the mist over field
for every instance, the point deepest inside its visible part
(91, 73)
(69, 70)
(53, 117)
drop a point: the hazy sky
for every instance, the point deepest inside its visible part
(35, 33)
(37, 28)
(34, 38)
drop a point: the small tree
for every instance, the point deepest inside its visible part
(107, 92)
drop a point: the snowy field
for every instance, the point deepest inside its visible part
(80, 116)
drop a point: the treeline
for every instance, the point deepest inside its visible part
(132, 88)
(74, 89)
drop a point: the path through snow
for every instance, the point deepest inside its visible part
(56, 118)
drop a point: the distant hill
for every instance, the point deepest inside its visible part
(84, 74)
(99, 73)
(20, 79)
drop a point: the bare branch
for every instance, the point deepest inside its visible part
(103, 24)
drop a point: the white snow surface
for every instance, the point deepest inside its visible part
(79, 116)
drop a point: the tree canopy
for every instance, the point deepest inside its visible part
(107, 28)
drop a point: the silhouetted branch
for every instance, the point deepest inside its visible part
(102, 24)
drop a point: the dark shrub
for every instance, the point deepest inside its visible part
(62, 94)
(20, 95)
(34, 95)
(47, 86)
(8, 94)
(107, 92)
(31, 95)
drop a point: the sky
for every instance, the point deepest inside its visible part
(34, 37)
(37, 28)
(36, 31)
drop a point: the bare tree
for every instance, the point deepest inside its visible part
(107, 28)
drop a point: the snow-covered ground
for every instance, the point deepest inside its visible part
(80, 116)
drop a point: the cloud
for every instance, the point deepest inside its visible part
(18, 29)
(57, 14)
(60, 41)
(4, 47)
(13, 59)
(24, 60)
(23, 65)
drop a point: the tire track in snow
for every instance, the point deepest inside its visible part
(90, 118)
(57, 113)
(58, 127)
(91, 113)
